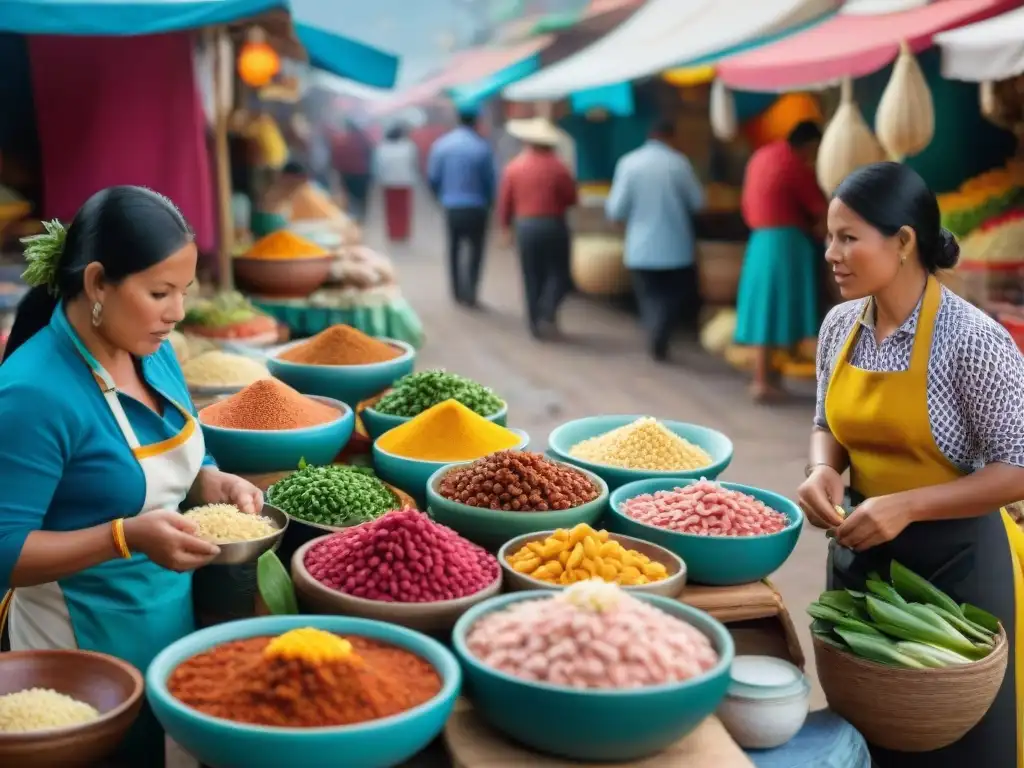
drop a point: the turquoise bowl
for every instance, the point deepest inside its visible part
(348, 383)
(714, 560)
(378, 423)
(491, 528)
(376, 744)
(249, 451)
(412, 475)
(563, 438)
(620, 725)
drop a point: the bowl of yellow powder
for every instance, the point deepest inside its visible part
(446, 433)
(623, 449)
(66, 708)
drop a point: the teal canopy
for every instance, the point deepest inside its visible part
(318, 25)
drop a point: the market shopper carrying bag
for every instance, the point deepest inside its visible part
(921, 396)
(101, 444)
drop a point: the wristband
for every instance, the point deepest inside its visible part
(120, 542)
(809, 469)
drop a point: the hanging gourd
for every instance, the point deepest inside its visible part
(258, 62)
(724, 124)
(905, 119)
(847, 143)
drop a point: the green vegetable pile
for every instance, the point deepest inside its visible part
(905, 623)
(416, 392)
(335, 495)
(224, 309)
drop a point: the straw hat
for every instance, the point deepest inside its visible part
(535, 130)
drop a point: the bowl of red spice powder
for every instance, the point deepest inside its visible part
(269, 427)
(314, 691)
(342, 362)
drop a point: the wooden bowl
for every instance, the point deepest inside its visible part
(112, 686)
(910, 710)
(282, 278)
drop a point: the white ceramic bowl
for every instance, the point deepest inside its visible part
(767, 702)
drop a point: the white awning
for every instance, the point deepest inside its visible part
(664, 34)
(989, 50)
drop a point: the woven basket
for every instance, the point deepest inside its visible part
(910, 710)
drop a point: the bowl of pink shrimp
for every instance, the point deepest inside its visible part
(726, 533)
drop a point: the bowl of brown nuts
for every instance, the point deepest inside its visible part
(513, 493)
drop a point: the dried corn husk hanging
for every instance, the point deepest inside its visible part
(724, 124)
(846, 144)
(905, 119)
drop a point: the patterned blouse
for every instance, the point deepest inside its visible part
(975, 377)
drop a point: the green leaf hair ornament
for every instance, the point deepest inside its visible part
(42, 252)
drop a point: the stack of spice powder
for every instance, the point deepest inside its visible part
(447, 432)
(265, 405)
(644, 444)
(305, 678)
(340, 345)
(284, 245)
(403, 557)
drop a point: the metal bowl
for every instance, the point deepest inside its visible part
(670, 587)
(239, 552)
(431, 618)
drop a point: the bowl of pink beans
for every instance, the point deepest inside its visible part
(726, 533)
(401, 568)
(593, 673)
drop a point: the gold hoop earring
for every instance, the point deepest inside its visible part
(97, 314)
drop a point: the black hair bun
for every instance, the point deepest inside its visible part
(948, 251)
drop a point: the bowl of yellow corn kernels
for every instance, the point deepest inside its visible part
(555, 559)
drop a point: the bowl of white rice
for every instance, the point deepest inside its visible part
(66, 708)
(242, 537)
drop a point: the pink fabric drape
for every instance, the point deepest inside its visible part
(121, 110)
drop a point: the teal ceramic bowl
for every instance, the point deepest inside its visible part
(714, 560)
(375, 744)
(491, 528)
(595, 725)
(378, 423)
(348, 383)
(563, 438)
(247, 451)
(412, 475)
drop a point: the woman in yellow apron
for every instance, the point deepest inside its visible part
(921, 397)
(101, 444)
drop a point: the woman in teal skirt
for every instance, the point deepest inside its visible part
(777, 305)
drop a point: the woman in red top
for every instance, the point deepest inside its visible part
(777, 305)
(536, 192)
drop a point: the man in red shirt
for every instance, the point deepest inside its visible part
(535, 194)
(777, 305)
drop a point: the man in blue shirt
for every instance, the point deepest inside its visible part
(462, 175)
(656, 193)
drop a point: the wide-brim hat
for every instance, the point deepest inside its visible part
(535, 130)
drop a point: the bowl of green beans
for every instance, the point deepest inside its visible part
(324, 499)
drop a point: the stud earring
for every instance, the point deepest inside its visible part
(97, 314)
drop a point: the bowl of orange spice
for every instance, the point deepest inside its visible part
(282, 265)
(343, 363)
(318, 691)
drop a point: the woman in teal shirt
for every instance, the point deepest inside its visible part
(101, 444)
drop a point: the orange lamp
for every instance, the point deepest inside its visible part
(258, 62)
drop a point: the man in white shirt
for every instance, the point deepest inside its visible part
(396, 170)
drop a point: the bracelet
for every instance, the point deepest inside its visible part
(809, 469)
(120, 542)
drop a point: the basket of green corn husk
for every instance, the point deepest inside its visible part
(911, 669)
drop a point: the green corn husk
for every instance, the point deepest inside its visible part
(831, 615)
(855, 594)
(822, 627)
(830, 639)
(886, 592)
(881, 650)
(981, 617)
(875, 576)
(967, 628)
(917, 589)
(906, 626)
(931, 656)
(275, 585)
(841, 600)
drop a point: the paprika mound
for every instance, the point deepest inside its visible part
(268, 404)
(447, 432)
(306, 678)
(284, 245)
(340, 345)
